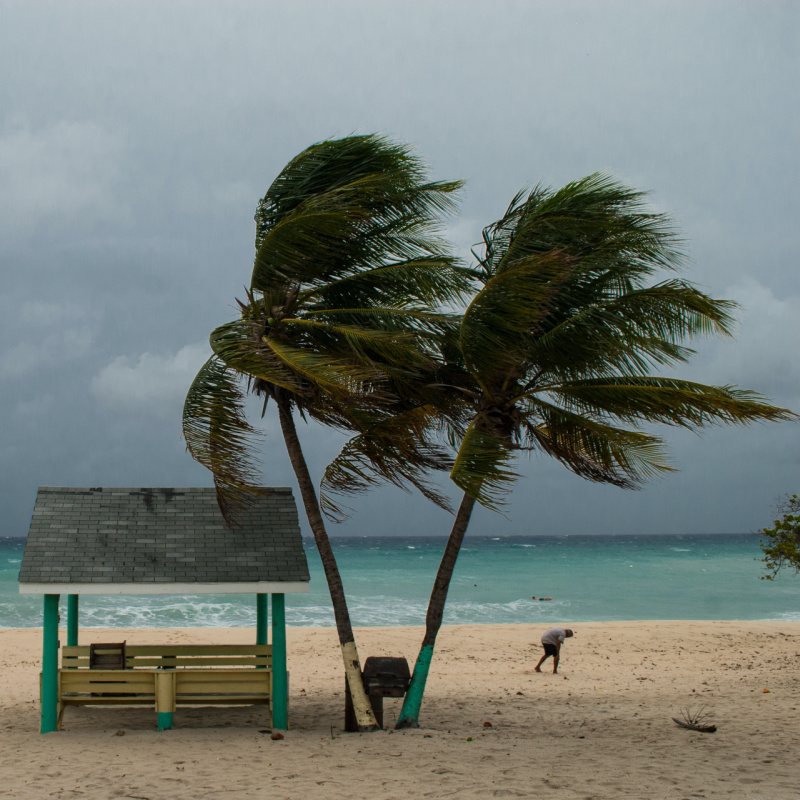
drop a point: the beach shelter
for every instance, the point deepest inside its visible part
(161, 541)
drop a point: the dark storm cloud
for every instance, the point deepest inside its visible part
(136, 139)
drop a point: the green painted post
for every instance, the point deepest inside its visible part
(262, 618)
(280, 682)
(165, 720)
(72, 620)
(50, 664)
(165, 698)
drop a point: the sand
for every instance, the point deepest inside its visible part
(602, 728)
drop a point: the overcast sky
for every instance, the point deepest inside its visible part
(137, 137)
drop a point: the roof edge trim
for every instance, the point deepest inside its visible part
(166, 587)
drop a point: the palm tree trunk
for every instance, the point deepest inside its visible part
(365, 718)
(409, 714)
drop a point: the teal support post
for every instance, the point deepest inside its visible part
(262, 618)
(165, 720)
(72, 620)
(280, 678)
(49, 720)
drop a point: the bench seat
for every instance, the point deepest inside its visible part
(165, 676)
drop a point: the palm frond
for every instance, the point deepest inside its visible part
(431, 281)
(219, 437)
(336, 378)
(369, 346)
(242, 345)
(583, 217)
(593, 450)
(420, 322)
(511, 307)
(332, 164)
(344, 206)
(482, 467)
(320, 242)
(670, 401)
(396, 449)
(627, 333)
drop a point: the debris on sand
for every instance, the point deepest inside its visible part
(695, 721)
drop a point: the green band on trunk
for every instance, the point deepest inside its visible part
(409, 714)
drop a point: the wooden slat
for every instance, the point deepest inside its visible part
(74, 678)
(199, 661)
(202, 661)
(210, 686)
(219, 700)
(196, 649)
(75, 663)
(199, 649)
(127, 675)
(77, 657)
(224, 676)
(242, 674)
(88, 700)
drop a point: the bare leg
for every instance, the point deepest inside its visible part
(556, 659)
(541, 661)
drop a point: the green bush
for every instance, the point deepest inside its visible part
(781, 544)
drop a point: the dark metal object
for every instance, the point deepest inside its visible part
(383, 676)
(386, 677)
(107, 655)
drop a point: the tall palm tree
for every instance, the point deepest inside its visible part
(554, 355)
(340, 314)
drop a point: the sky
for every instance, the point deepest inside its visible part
(136, 139)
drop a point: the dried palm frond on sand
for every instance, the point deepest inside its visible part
(695, 721)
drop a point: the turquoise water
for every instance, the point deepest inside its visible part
(388, 581)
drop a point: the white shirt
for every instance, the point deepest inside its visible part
(554, 636)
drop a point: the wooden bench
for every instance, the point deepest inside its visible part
(164, 676)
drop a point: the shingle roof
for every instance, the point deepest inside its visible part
(132, 535)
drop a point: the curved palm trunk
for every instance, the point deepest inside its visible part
(409, 714)
(365, 717)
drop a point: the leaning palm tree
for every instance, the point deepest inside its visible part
(340, 315)
(554, 355)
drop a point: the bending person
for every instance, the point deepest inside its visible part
(552, 640)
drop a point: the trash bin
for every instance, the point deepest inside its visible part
(383, 676)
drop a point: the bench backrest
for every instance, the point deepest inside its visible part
(107, 684)
(179, 655)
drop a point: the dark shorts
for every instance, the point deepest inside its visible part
(550, 649)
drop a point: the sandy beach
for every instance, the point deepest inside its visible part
(491, 726)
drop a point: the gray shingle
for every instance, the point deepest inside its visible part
(119, 535)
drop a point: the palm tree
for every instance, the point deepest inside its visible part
(554, 354)
(340, 314)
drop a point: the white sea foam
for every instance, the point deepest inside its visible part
(788, 616)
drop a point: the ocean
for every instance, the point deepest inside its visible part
(388, 582)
